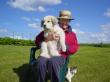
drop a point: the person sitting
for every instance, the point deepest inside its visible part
(54, 64)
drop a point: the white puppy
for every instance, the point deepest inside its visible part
(50, 48)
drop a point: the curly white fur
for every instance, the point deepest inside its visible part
(50, 48)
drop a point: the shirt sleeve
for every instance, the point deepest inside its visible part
(39, 38)
(72, 46)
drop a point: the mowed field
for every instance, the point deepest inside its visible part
(93, 63)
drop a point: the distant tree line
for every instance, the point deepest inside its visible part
(11, 41)
(101, 44)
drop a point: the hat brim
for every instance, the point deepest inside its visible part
(65, 18)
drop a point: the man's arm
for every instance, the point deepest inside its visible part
(39, 38)
(71, 43)
(73, 46)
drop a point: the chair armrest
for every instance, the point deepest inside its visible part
(32, 59)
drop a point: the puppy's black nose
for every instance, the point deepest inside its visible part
(44, 26)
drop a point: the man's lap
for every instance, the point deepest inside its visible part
(55, 60)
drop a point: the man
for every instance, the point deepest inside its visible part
(55, 63)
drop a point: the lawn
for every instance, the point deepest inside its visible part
(93, 63)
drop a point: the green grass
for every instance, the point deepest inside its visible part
(93, 63)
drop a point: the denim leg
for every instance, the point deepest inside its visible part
(54, 65)
(41, 68)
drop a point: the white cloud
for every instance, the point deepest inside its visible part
(49, 2)
(93, 37)
(36, 19)
(107, 13)
(34, 25)
(32, 22)
(26, 18)
(3, 30)
(78, 32)
(32, 5)
(97, 37)
(106, 28)
(74, 30)
(41, 8)
(77, 25)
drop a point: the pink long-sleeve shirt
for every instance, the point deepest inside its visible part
(71, 42)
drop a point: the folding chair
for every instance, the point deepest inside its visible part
(32, 61)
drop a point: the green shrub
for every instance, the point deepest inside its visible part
(11, 41)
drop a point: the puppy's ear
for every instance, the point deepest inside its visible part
(54, 20)
(42, 22)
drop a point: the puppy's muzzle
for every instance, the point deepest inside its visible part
(44, 26)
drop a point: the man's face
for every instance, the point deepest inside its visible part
(64, 23)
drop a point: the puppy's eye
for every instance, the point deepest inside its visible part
(48, 21)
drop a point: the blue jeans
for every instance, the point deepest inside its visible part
(52, 65)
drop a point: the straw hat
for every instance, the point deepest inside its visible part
(65, 14)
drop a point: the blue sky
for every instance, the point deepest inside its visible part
(21, 18)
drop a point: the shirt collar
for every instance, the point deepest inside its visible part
(69, 29)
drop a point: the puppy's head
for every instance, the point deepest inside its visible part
(48, 22)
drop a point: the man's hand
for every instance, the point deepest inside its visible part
(56, 36)
(52, 36)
